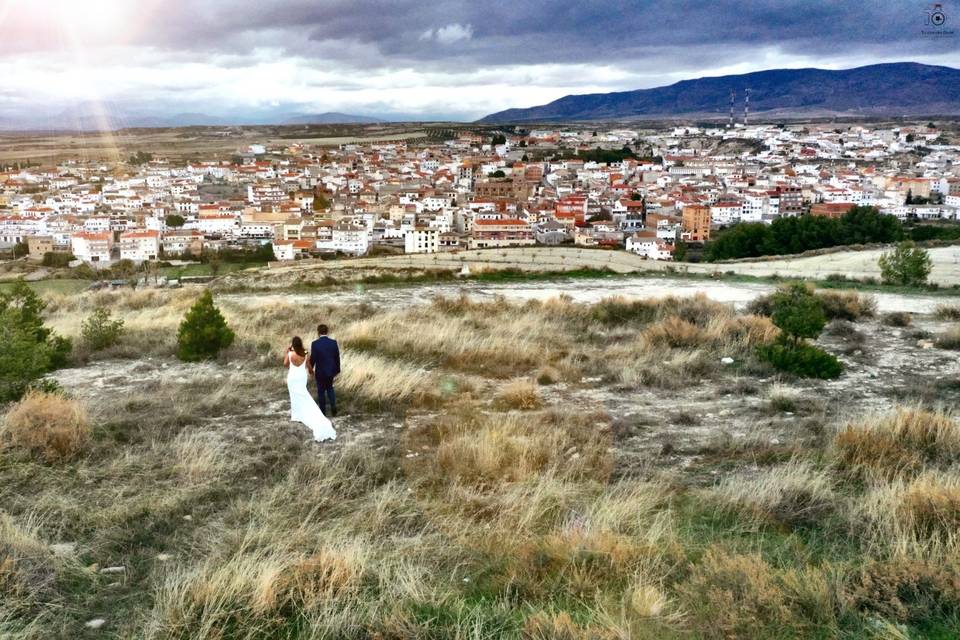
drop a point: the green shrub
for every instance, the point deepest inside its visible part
(907, 266)
(800, 359)
(203, 332)
(57, 259)
(836, 305)
(797, 311)
(100, 331)
(30, 349)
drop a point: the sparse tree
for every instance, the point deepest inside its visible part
(100, 330)
(907, 265)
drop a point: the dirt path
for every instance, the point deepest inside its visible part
(581, 290)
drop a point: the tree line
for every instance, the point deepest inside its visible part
(859, 225)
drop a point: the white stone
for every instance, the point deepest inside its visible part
(726, 360)
(96, 623)
(63, 548)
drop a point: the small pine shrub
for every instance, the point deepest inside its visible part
(203, 332)
(800, 359)
(30, 349)
(48, 425)
(100, 331)
(797, 311)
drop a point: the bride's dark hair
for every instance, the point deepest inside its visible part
(297, 345)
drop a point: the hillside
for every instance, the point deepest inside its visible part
(902, 88)
(504, 468)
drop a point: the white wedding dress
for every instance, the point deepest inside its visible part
(303, 408)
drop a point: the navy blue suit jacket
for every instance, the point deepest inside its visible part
(325, 357)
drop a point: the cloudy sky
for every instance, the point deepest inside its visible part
(452, 59)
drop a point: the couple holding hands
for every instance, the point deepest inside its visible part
(323, 362)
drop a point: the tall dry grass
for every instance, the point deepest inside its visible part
(796, 494)
(900, 444)
(915, 518)
(731, 595)
(48, 425)
(382, 380)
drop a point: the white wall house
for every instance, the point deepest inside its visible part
(92, 247)
(421, 240)
(139, 246)
(650, 248)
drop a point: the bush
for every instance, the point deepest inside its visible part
(99, 331)
(800, 359)
(907, 266)
(898, 319)
(203, 332)
(48, 425)
(57, 259)
(519, 394)
(30, 348)
(950, 339)
(906, 590)
(947, 312)
(797, 311)
(837, 305)
(847, 305)
(743, 596)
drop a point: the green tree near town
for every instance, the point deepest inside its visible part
(174, 221)
(799, 315)
(204, 333)
(101, 331)
(907, 265)
(30, 349)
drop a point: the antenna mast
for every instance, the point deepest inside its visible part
(733, 97)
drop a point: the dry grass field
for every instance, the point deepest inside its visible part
(542, 470)
(184, 143)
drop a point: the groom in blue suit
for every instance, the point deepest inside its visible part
(325, 360)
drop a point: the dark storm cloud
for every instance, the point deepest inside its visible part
(470, 34)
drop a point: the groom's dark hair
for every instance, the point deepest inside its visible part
(322, 329)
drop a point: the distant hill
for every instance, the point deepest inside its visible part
(902, 88)
(107, 116)
(332, 117)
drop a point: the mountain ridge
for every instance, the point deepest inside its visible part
(899, 88)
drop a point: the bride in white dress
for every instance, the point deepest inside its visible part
(303, 408)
